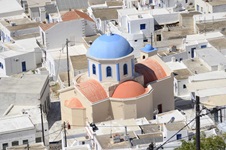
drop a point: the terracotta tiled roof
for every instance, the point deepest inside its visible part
(73, 103)
(128, 89)
(47, 26)
(75, 14)
(151, 70)
(92, 90)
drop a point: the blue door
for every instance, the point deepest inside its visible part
(23, 66)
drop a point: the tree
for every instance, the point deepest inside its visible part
(210, 143)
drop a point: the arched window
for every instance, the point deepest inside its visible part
(125, 69)
(108, 71)
(94, 69)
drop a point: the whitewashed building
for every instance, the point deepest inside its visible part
(16, 130)
(22, 56)
(36, 93)
(10, 8)
(23, 126)
(212, 6)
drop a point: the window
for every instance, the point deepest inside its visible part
(25, 142)
(94, 69)
(181, 59)
(179, 136)
(38, 140)
(142, 26)
(145, 40)
(15, 143)
(108, 70)
(160, 108)
(135, 40)
(4, 145)
(159, 37)
(203, 46)
(125, 69)
(184, 86)
(1, 65)
(143, 57)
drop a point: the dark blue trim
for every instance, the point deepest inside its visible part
(100, 73)
(118, 72)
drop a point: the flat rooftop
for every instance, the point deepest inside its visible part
(79, 62)
(106, 13)
(15, 124)
(163, 53)
(195, 66)
(217, 2)
(117, 126)
(8, 6)
(37, 3)
(114, 3)
(139, 16)
(211, 56)
(176, 65)
(150, 128)
(210, 26)
(127, 11)
(167, 43)
(32, 83)
(75, 50)
(182, 74)
(106, 142)
(189, 14)
(175, 126)
(166, 116)
(219, 43)
(176, 33)
(208, 84)
(90, 39)
(213, 75)
(19, 24)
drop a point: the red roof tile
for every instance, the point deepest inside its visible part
(92, 90)
(151, 70)
(73, 103)
(128, 89)
(47, 26)
(75, 14)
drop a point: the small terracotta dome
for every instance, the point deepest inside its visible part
(128, 89)
(92, 90)
(73, 103)
(151, 70)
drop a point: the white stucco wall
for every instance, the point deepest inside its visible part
(56, 36)
(18, 136)
(178, 57)
(13, 65)
(116, 67)
(90, 28)
(166, 18)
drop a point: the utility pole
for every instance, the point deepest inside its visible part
(197, 124)
(43, 137)
(68, 69)
(65, 135)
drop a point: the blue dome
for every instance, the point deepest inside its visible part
(110, 46)
(148, 48)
